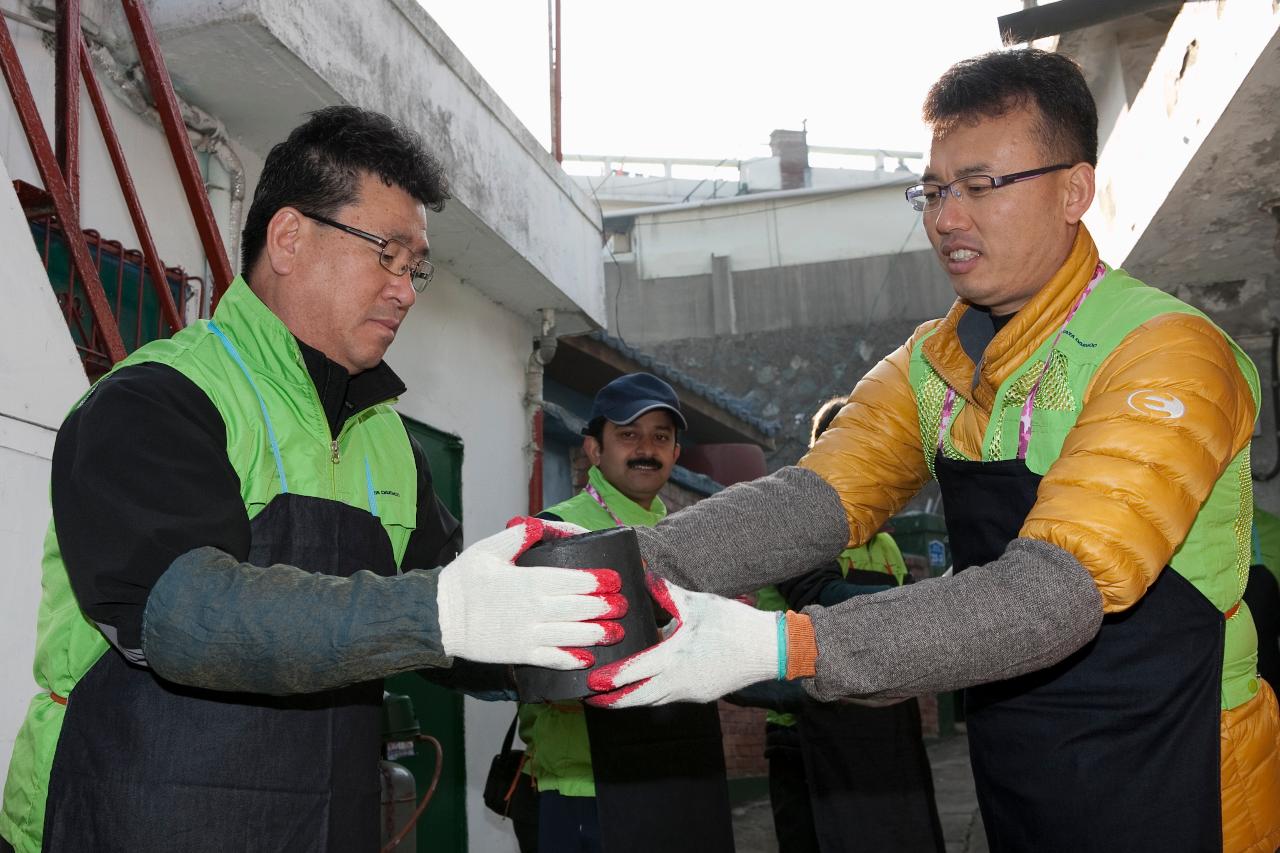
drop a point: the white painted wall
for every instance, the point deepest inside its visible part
(40, 378)
(781, 229)
(463, 359)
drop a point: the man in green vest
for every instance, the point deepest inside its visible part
(1090, 435)
(245, 542)
(595, 770)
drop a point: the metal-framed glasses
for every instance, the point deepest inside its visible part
(395, 257)
(924, 197)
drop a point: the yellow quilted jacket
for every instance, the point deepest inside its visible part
(1130, 488)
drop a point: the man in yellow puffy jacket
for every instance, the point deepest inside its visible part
(1090, 435)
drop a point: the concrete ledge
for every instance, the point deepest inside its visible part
(518, 229)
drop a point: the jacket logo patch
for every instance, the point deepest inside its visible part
(1158, 404)
(1083, 343)
(387, 493)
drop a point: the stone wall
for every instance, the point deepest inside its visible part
(786, 375)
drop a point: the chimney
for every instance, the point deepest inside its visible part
(791, 147)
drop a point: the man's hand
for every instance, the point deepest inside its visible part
(713, 646)
(495, 612)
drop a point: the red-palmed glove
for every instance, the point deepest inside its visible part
(495, 612)
(713, 646)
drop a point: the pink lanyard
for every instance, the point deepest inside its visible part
(1024, 420)
(591, 490)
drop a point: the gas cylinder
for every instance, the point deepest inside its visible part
(399, 792)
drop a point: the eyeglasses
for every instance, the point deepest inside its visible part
(923, 197)
(395, 257)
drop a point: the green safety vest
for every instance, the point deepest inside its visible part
(559, 750)
(879, 554)
(370, 466)
(1214, 556)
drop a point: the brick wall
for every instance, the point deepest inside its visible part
(743, 732)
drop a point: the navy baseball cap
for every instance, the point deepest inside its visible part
(632, 395)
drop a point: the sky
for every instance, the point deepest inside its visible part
(711, 79)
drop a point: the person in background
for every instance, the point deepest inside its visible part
(602, 776)
(845, 777)
(1262, 594)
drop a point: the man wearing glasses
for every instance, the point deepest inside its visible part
(1090, 435)
(244, 541)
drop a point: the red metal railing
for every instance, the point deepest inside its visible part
(127, 283)
(60, 174)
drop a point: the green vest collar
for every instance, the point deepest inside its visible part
(627, 510)
(259, 335)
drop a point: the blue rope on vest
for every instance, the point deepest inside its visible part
(368, 481)
(271, 431)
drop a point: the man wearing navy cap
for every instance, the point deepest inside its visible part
(604, 776)
(631, 438)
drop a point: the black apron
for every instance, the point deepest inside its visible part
(660, 779)
(659, 774)
(1114, 748)
(870, 783)
(146, 765)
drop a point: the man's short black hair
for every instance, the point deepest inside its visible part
(824, 416)
(992, 85)
(318, 169)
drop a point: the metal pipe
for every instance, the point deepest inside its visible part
(150, 254)
(51, 175)
(30, 22)
(175, 131)
(544, 349)
(557, 141)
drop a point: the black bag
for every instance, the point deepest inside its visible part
(508, 791)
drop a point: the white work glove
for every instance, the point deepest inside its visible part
(713, 646)
(492, 611)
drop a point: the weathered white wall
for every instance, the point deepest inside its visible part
(778, 229)
(1188, 117)
(40, 378)
(463, 359)
(801, 259)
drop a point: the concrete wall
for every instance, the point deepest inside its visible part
(40, 378)
(884, 287)
(1189, 158)
(785, 261)
(777, 229)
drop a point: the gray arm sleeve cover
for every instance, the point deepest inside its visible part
(214, 622)
(750, 535)
(1023, 612)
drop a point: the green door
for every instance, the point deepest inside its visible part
(443, 826)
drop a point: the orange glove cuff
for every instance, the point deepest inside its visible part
(802, 647)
